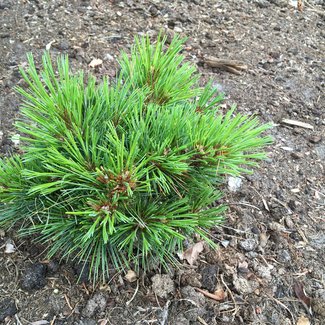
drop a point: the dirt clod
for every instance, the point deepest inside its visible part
(7, 308)
(96, 304)
(248, 244)
(209, 277)
(34, 277)
(162, 285)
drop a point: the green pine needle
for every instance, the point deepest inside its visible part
(118, 174)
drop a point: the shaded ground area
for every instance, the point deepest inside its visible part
(270, 265)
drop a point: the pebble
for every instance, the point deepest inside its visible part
(153, 11)
(289, 223)
(178, 29)
(319, 307)
(86, 321)
(296, 155)
(162, 285)
(262, 3)
(320, 151)
(234, 183)
(108, 57)
(265, 271)
(244, 286)
(284, 256)
(315, 139)
(7, 308)
(248, 244)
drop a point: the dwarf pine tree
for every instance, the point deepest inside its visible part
(118, 174)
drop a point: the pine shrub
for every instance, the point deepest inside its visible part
(118, 173)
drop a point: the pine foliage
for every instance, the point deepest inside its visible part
(118, 174)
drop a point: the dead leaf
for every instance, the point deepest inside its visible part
(298, 288)
(219, 295)
(192, 253)
(131, 276)
(95, 62)
(303, 320)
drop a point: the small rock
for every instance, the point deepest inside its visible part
(265, 271)
(263, 239)
(225, 243)
(297, 155)
(320, 151)
(153, 11)
(318, 306)
(86, 321)
(181, 320)
(9, 247)
(263, 3)
(162, 285)
(96, 304)
(34, 277)
(209, 277)
(248, 244)
(284, 256)
(244, 286)
(234, 183)
(177, 29)
(108, 57)
(7, 308)
(131, 276)
(315, 139)
(288, 221)
(5, 5)
(275, 226)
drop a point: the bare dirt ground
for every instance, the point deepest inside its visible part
(270, 267)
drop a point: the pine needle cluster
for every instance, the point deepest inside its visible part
(118, 174)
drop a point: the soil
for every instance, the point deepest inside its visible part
(269, 268)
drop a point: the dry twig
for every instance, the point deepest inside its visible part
(232, 66)
(135, 293)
